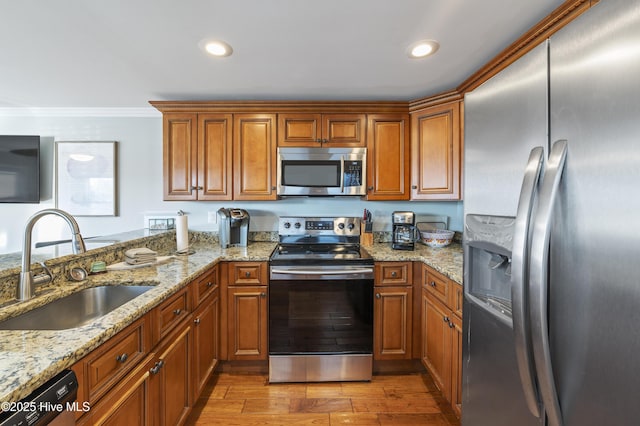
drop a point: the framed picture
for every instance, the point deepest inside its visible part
(86, 178)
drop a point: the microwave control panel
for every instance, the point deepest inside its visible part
(353, 173)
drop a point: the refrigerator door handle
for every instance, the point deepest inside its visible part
(519, 279)
(539, 283)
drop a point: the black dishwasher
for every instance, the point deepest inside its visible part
(50, 404)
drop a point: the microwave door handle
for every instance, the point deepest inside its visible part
(342, 173)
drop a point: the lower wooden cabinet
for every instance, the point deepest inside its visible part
(441, 335)
(206, 341)
(392, 313)
(173, 375)
(130, 402)
(247, 323)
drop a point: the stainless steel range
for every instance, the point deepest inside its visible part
(320, 302)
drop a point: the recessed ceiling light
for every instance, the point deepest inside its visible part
(216, 47)
(422, 48)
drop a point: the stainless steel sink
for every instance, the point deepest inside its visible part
(76, 309)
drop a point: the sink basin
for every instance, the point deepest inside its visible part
(76, 309)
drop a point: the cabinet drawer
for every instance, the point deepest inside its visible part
(248, 273)
(205, 285)
(106, 365)
(394, 273)
(170, 313)
(437, 285)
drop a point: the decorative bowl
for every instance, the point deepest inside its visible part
(437, 237)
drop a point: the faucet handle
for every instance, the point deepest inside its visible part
(43, 278)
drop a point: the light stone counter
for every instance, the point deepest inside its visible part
(30, 358)
(446, 260)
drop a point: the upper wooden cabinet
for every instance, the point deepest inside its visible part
(314, 130)
(197, 156)
(436, 143)
(254, 157)
(388, 157)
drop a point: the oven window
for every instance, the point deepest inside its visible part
(311, 173)
(320, 317)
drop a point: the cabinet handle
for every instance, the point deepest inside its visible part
(414, 187)
(122, 358)
(156, 368)
(394, 274)
(263, 294)
(197, 188)
(378, 296)
(177, 311)
(196, 321)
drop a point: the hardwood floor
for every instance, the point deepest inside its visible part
(242, 399)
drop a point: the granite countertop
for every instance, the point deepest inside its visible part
(30, 358)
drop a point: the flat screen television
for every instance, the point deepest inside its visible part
(19, 169)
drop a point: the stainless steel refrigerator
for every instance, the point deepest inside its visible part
(552, 231)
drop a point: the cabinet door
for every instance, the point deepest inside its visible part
(436, 342)
(172, 368)
(392, 312)
(436, 153)
(215, 146)
(299, 130)
(344, 130)
(247, 322)
(129, 403)
(388, 157)
(456, 364)
(206, 340)
(180, 156)
(254, 157)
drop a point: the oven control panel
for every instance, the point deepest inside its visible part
(289, 225)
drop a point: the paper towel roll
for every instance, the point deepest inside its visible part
(182, 233)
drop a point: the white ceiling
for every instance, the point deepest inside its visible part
(123, 53)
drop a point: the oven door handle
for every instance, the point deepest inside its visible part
(322, 272)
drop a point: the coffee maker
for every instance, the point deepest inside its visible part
(233, 228)
(403, 230)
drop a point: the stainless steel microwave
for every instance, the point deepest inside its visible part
(322, 171)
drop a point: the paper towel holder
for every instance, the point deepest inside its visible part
(187, 250)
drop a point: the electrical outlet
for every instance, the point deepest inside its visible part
(212, 217)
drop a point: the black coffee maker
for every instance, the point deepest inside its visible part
(404, 231)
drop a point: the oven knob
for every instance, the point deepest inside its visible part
(287, 225)
(297, 225)
(351, 226)
(341, 226)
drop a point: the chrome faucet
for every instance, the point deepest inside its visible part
(27, 284)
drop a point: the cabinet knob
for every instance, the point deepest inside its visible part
(394, 274)
(247, 274)
(157, 366)
(196, 321)
(209, 284)
(445, 319)
(370, 188)
(450, 324)
(414, 187)
(122, 358)
(177, 311)
(378, 296)
(432, 283)
(263, 294)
